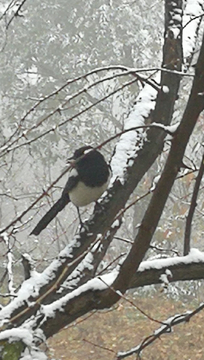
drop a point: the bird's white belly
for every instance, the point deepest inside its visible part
(83, 195)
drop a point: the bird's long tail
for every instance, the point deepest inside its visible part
(57, 207)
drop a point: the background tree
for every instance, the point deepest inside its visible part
(92, 74)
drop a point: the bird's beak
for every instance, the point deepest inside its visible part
(71, 161)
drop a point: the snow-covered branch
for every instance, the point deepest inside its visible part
(192, 17)
(166, 328)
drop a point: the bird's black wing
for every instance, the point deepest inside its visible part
(57, 207)
(71, 183)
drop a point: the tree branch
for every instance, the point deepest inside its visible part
(164, 329)
(187, 235)
(91, 296)
(163, 111)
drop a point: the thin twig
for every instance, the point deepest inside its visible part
(99, 346)
(122, 296)
(15, 14)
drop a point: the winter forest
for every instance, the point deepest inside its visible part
(127, 78)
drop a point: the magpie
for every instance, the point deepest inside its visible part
(88, 179)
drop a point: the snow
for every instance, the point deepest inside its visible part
(195, 256)
(155, 182)
(172, 128)
(177, 17)
(116, 224)
(101, 283)
(9, 264)
(193, 9)
(169, 273)
(132, 141)
(165, 89)
(166, 277)
(98, 283)
(17, 334)
(176, 21)
(28, 289)
(168, 128)
(31, 286)
(33, 354)
(85, 264)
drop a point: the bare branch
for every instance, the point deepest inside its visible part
(166, 328)
(16, 13)
(187, 235)
(164, 109)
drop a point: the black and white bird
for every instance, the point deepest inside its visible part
(88, 179)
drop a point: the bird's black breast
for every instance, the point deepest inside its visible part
(92, 169)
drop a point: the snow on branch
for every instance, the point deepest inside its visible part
(39, 286)
(192, 17)
(21, 344)
(166, 328)
(174, 13)
(131, 142)
(194, 256)
(91, 291)
(13, 9)
(30, 290)
(17, 334)
(6, 240)
(99, 283)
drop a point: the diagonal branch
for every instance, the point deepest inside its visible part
(187, 235)
(151, 218)
(172, 59)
